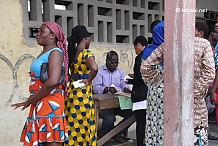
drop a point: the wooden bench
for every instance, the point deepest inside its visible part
(107, 101)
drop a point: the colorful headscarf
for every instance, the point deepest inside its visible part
(62, 44)
(158, 39)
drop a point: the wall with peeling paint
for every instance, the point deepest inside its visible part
(15, 59)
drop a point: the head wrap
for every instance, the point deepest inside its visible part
(62, 44)
(158, 39)
(158, 33)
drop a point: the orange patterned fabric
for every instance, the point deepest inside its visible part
(46, 121)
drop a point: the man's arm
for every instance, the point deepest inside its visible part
(123, 84)
(98, 86)
(148, 67)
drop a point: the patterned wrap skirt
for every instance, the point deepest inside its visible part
(46, 121)
(154, 134)
(80, 114)
(200, 136)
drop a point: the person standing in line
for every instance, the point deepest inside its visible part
(139, 91)
(204, 72)
(214, 35)
(211, 37)
(214, 90)
(79, 105)
(202, 30)
(46, 124)
(155, 97)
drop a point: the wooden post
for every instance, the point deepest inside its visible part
(179, 72)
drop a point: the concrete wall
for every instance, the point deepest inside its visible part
(15, 59)
(211, 5)
(14, 65)
(16, 55)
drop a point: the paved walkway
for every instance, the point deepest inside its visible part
(213, 130)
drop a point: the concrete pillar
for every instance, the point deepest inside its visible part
(179, 72)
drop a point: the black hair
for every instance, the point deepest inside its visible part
(153, 24)
(111, 54)
(140, 39)
(211, 29)
(202, 26)
(77, 34)
(72, 50)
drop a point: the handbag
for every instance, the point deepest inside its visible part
(44, 73)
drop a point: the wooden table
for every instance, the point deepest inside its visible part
(107, 101)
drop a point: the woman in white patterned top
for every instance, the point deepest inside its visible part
(204, 72)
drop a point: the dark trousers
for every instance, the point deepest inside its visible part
(108, 116)
(140, 116)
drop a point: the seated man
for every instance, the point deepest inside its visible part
(109, 80)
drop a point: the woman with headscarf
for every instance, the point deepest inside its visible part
(79, 105)
(154, 112)
(204, 72)
(46, 123)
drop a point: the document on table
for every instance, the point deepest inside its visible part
(124, 100)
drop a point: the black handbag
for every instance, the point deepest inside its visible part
(44, 73)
